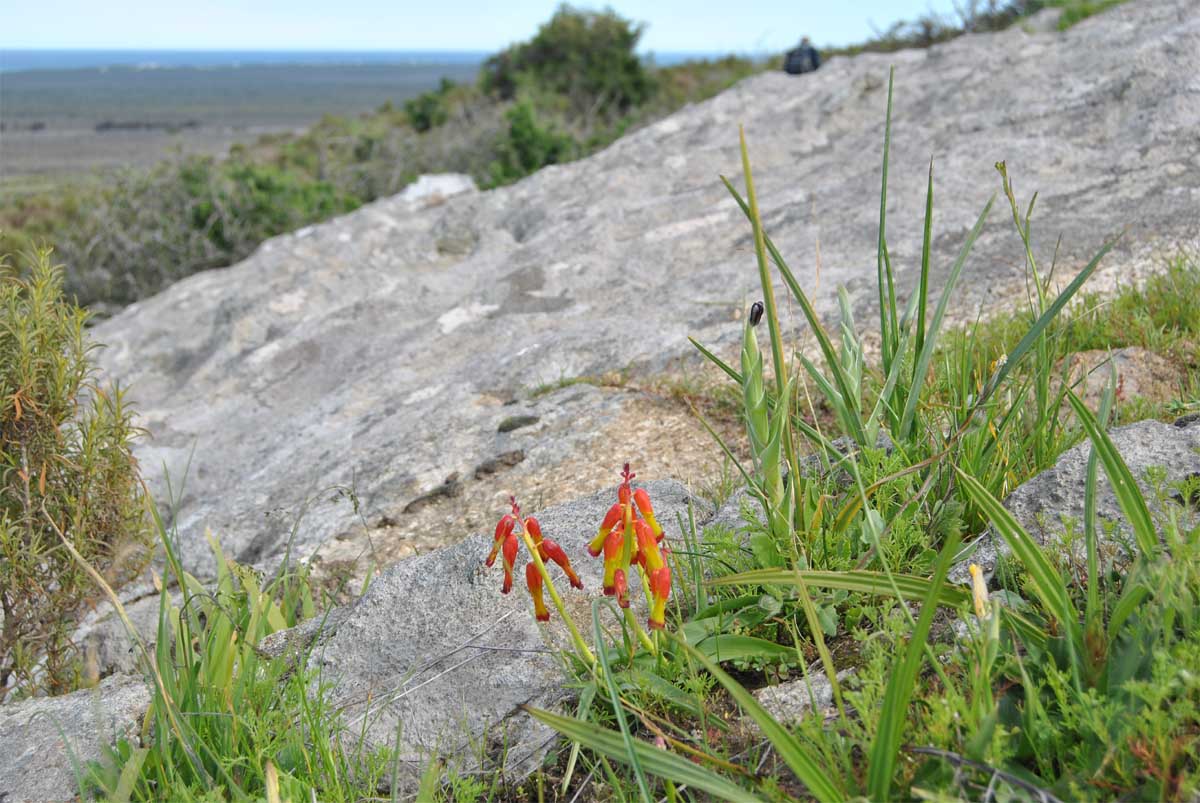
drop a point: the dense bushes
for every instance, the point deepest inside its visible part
(66, 478)
(588, 58)
(146, 229)
(528, 146)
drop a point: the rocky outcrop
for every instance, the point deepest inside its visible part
(1161, 457)
(433, 660)
(384, 352)
(45, 739)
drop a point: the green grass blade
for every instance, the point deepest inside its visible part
(732, 647)
(764, 273)
(878, 583)
(926, 354)
(923, 285)
(614, 694)
(887, 322)
(841, 381)
(1047, 584)
(431, 780)
(901, 683)
(717, 361)
(1092, 611)
(810, 773)
(656, 761)
(1043, 321)
(1129, 496)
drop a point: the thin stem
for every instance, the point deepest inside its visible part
(632, 621)
(580, 644)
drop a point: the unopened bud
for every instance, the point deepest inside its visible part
(756, 312)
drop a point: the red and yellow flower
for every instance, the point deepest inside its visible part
(630, 536)
(509, 532)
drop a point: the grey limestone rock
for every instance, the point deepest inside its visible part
(41, 735)
(1042, 504)
(378, 350)
(793, 700)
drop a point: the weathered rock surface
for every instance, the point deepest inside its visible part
(433, 654)
(1042, 504)
(793, 700)
(431, 190)
(384, 349)
(40, 736)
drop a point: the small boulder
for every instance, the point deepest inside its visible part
(433, 189)
(43, 736)
(1044, 503)
(793, 700)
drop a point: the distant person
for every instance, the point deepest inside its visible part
(802, 59)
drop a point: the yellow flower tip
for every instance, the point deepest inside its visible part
(979, 591)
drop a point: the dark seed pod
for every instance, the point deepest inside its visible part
(756, 311)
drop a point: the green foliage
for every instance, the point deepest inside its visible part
(66, 477)
(428, 110)
(224, 719)
(145, 230)
(528, 146)
(586, 57)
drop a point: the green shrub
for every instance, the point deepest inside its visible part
(145, 230)
(528, 146)
(585, 56)
(428, 110)
(66, 474)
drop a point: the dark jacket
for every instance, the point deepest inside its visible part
(801, 60)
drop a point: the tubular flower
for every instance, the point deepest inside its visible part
(511, 543)
(611, 519)
(550, 550)
(643, 504)
(612, 559)
(979, 591)
(509, 531)
(660, 589)
(503, 530)
(630, 536)
(533, 578)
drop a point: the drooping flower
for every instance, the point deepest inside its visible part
(630, 536)
(510, 530)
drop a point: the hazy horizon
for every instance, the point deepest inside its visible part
(13, 60)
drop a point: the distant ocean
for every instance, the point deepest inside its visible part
(12, 60)
(16, 60)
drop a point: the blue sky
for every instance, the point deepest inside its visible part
(747, 26)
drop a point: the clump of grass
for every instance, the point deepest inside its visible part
(67, 480)
(225, 719)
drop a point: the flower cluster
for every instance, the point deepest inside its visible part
(630, 536)
(509, 532)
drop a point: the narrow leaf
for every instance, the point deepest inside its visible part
(810, 773)
(656, 761)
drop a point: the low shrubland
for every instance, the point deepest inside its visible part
(572, 89)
